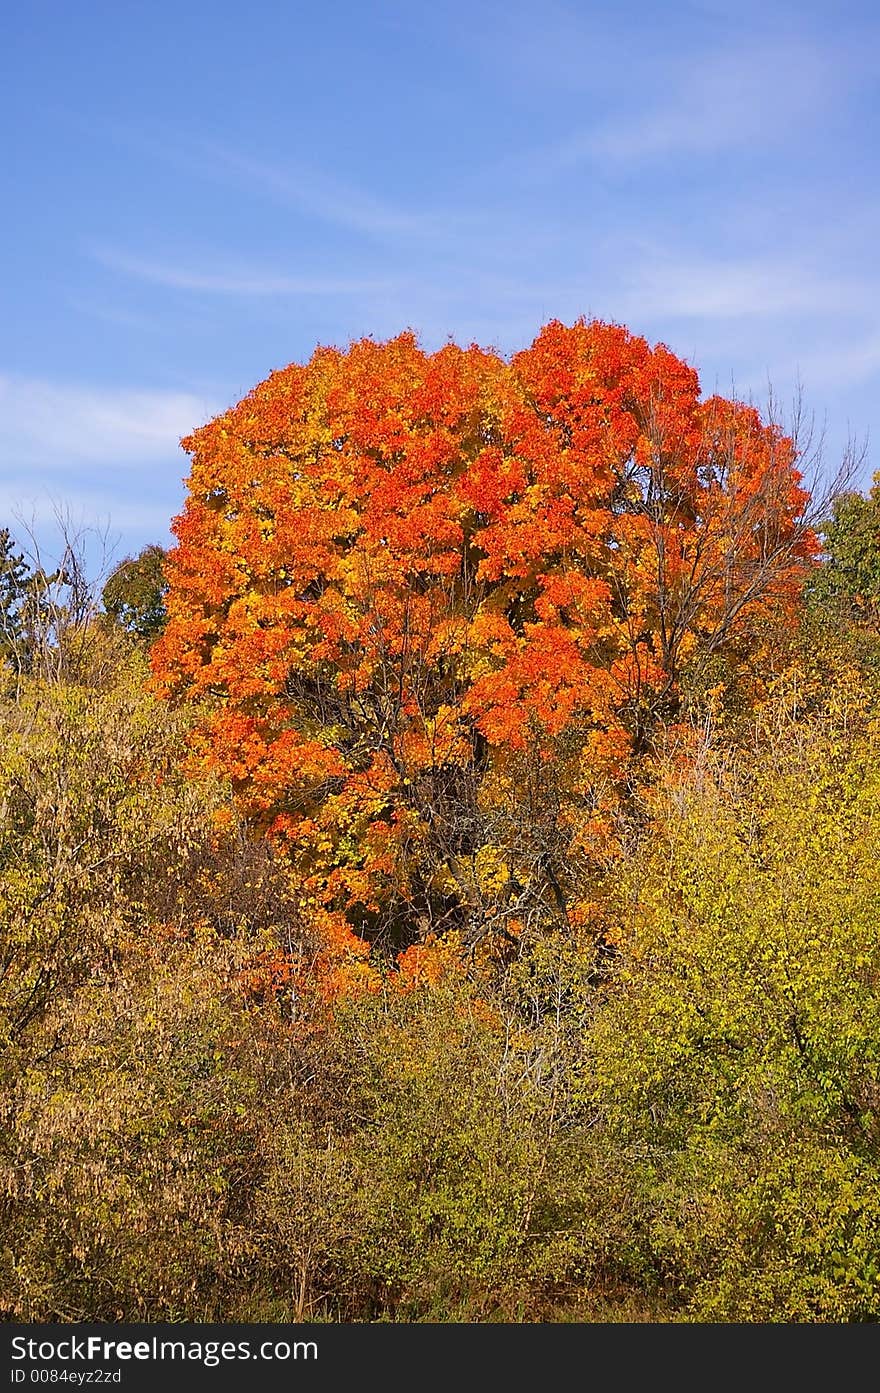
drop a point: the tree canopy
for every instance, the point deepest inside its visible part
(403, 578)
(851, 542)
(134, 593)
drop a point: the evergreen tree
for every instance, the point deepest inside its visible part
(14, 586)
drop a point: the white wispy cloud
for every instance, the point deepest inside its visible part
(856, 360)
(58, 425)
(449, 222)
(231, 281)
(107, 460)
(707, 288)
(290, 179)
(330, 199)
(97, 519)
(753, 96)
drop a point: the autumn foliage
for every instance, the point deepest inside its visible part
(421, 588)
(638, 1089)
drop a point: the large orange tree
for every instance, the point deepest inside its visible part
(438, 603)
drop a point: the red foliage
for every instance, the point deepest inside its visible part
(393, 564)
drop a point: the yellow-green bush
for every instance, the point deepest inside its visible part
(128, 1145)
(679, 1121)
(736, 1058)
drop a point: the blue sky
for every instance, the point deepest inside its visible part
(196, 194)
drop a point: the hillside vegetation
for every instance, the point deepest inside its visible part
(347, 972)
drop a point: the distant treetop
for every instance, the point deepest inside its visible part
(135, 593)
